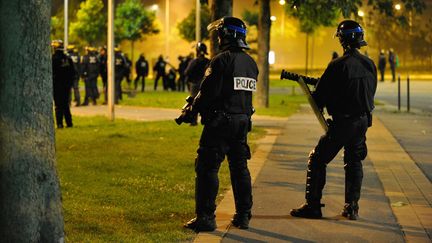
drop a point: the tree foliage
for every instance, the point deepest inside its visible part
(57, 28)
(250, 17)
(315, 13)
(133, 21)
(90, 24)
(187, 26)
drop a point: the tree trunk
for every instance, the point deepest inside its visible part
(219, 9)
(264, 25)
(30, 199)
(307, 53)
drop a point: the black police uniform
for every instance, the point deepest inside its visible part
(347, 90)
(225, 105)
(76, 59)
(127, 70)
(181, 82)
(91, 72)
(142, 69)
(63, 76)
(194, 73)
(120, 66)
(103, 72)
(170, 79)
(159, 68)
(382, 65)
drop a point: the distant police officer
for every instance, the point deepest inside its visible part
(63, 77)
(382, 64)
(225, 105)
(142, 69)
(127, 70)
(181, 82)
(120, 66)
(103, 71)
(90, 72)
(159, 69)
(76, 59)
(347, 90)
(195, 70)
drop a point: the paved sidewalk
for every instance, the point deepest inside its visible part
(395, 204)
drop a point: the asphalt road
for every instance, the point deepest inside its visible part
(420, 94)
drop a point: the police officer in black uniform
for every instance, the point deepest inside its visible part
(225, 105)
(76, 59)
(142, 69)
(159, 69)
(103, 71)
(63, 76)
(127, 70)
(181, 82)
(346, 89)
(195, 70)
(91, 66)
(120, 67)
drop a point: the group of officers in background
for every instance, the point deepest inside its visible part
(69, 67)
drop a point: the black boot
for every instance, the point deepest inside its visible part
(308, 210)
(353, 182)
(241, 221)
(201, 223)
(350, 211)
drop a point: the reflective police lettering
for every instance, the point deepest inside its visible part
(244, 83)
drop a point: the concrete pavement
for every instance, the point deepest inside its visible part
(395, 204)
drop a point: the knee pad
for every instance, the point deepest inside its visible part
(208, 159)
(357, 154)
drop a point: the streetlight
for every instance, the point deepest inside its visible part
(397, 7)
(282, 2)
(273, 18)
(66, 20)
(154, 7)
(360, 13)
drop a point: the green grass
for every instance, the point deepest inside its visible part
(281, 105)
(129, 181)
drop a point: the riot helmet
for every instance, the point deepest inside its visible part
(201, 48)
(231, 32)
(57, 45)
(350, 34)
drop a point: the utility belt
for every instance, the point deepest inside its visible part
(339, 116)
(218, 118)
(350, 117)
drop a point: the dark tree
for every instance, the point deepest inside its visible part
(30, 200)
(219, 9)
(264, 25)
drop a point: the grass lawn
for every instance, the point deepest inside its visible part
(129, 181)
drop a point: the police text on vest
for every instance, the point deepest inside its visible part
(244, 83)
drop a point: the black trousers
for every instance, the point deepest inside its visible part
(347, 133)
(61, 103)
(228, 139)
(158, 76)
(382, 74)
(76, 91)
(91, 90)
(142, 76)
